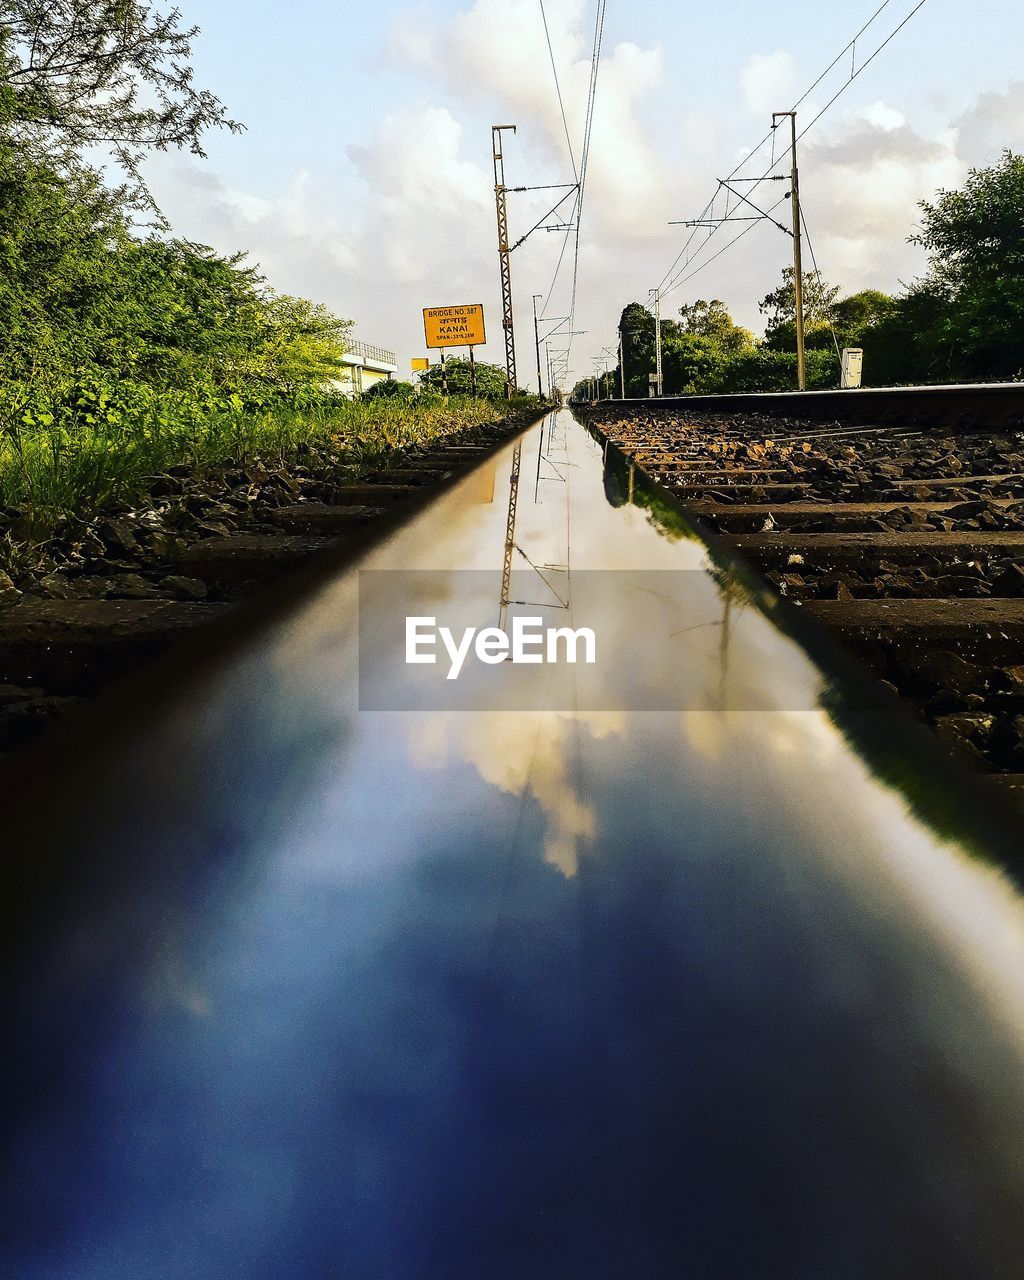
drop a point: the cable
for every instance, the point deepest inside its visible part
(814, 262)
(863, 66)
(580, 172)
(595, 63)
(728, 245)
(771, 133)
(558, 91)
(561, 256)
(676, 279)
(542, 219)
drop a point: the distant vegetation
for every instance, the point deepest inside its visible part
(489, 382)
(962, 321)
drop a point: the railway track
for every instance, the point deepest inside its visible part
(904, 537)
(404, 994)
(87, 618)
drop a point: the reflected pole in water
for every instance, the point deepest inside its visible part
(510, 534)
(723, 647)
(540, 454)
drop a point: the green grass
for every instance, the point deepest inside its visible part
(80, 460)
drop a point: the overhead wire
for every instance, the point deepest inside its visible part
(728, 245)
(770, 135)
(595, 65)
(580, 170)
(676, 278)
(558, 91)
(814, 263)
(561, 255)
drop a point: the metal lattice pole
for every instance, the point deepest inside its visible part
(657, 342)
(536, 338)
(510, 535)
(504, 256)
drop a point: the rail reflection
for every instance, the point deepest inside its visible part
(576, 990)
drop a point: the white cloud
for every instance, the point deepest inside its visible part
(861, 191)
(414, 165)
(996, 121)
(495, 51)
(768, 82)
(291, 235)
(413, 225)
(882, 115)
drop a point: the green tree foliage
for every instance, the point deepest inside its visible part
(763, 369)
(58, 239)
(390, 389)
(968, 311)
(636, 326)
(711, 320)
(707, 352)
(84, 302)
(490, 378)
(854, 315)
(114, 74)
(780, 308)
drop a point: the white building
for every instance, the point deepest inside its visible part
(363, 365)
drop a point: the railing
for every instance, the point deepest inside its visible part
(369, 352)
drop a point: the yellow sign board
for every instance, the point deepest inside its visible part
(419, 363)
(454, 326)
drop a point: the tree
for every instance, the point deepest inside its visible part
(780, 308)
(898, 345)
(490, 378)
(111, 74)
(636, 326)
(975, 281)
(711, 320)
(964, 318)
(390, 389)
(57, 266)
(856, 314)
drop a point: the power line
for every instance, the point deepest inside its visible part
(572, 230)
(770, 135)
(595, 63)
(558, 91)
(728, 245)
(864, 65)
(561, 255)
(677, 278)
(814, 263)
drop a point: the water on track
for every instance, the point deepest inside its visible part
(714, 988)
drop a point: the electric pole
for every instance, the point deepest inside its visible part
(504, 256)
(536, 338)
(657, 341)
(622, 366)
(798, 276)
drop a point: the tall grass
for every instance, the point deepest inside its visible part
(77, 460)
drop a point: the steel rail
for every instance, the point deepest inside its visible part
(986, 403)
(705, 970)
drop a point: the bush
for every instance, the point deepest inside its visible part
(390, 389)
(765, 370)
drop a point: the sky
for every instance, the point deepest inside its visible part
(363, 178)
